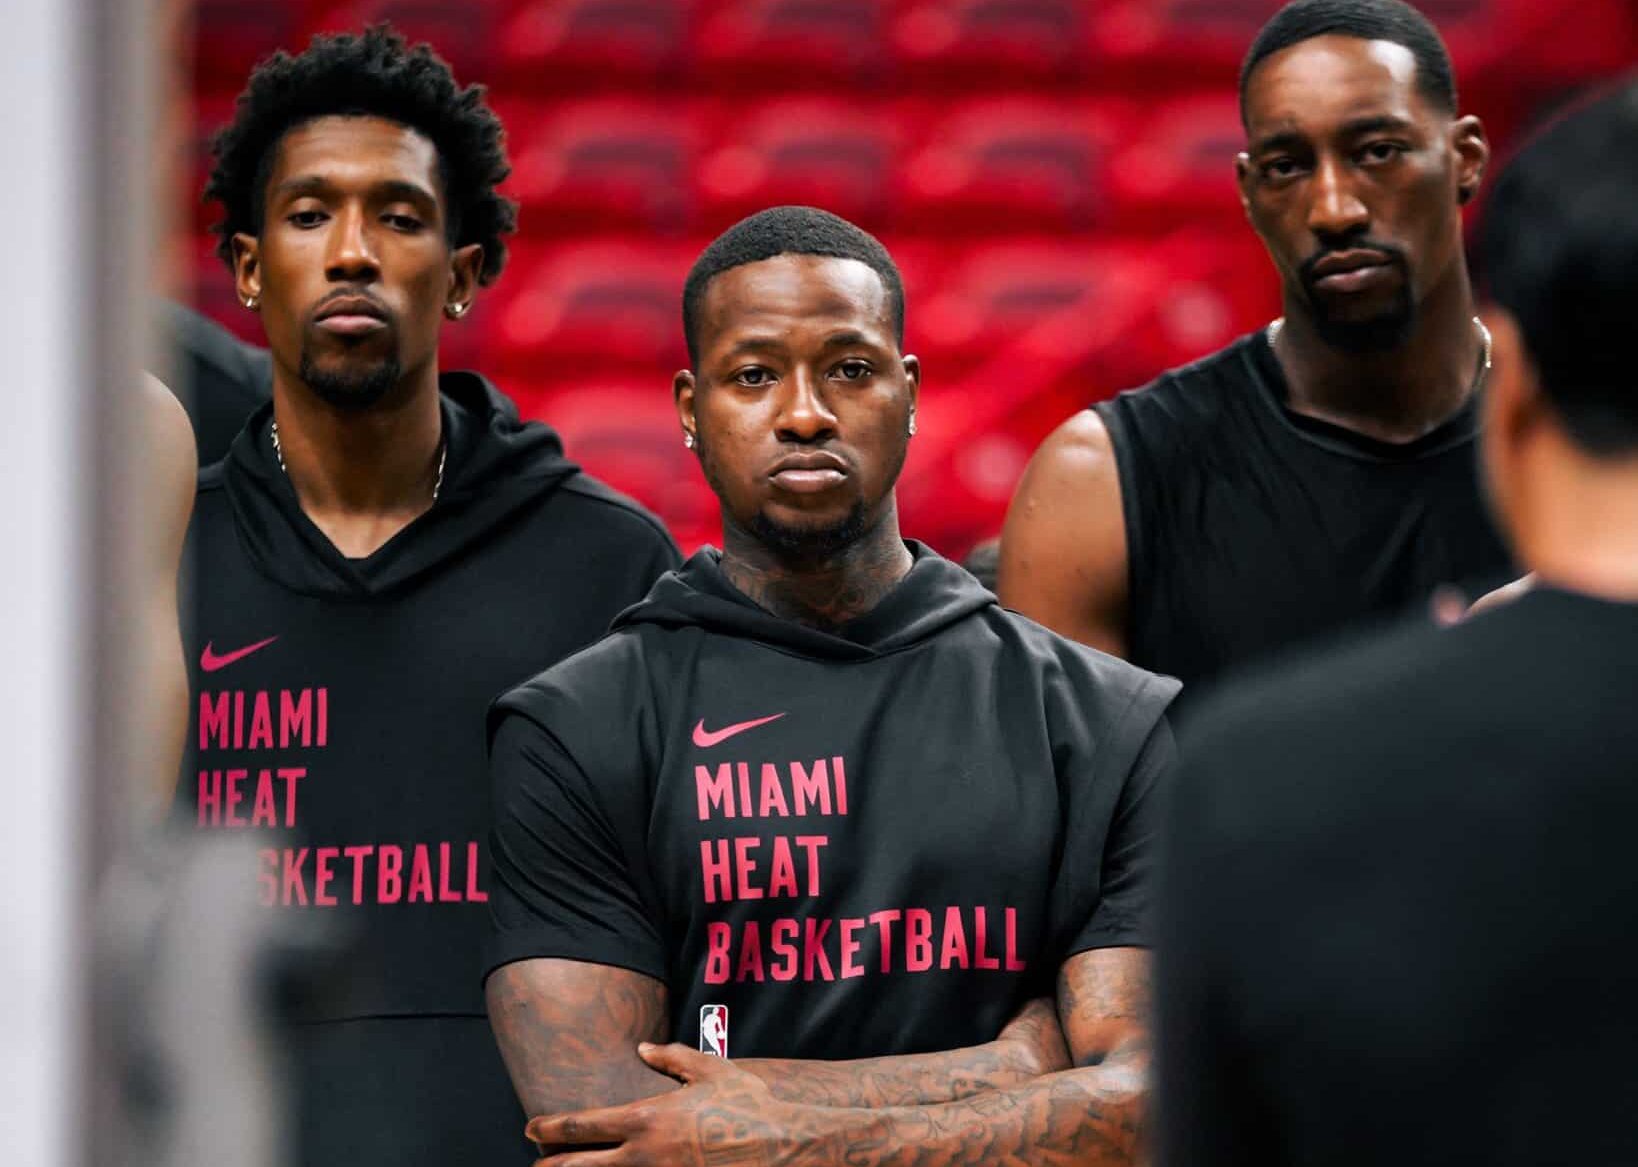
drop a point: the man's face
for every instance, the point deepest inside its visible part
(353, 267)
(1354, 181)
(801, 403)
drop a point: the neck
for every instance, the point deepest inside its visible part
(1394, 396)
(1581, 529)
(378, 461)
(822, 592)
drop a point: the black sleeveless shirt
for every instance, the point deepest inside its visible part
(1250, 528)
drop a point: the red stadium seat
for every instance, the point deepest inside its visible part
(607, 304)
(813, 151)
(558, 44)
(1156, 44)
(231, 36)
(750, 43)
(1178, 168)
(949, 42)
(463, 34)
(603, 164)
(1013, 160)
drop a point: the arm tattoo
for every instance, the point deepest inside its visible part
(1030, 1046)
(568, 1032)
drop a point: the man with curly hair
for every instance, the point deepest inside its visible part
(384, 549)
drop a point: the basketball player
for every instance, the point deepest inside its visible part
(1403, 911)
(820, 797)
(384, 548)
(1320, 472)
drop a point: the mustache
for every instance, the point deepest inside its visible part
(1394, 253)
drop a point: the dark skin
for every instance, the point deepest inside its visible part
(1347, 163)
(355, 228)
(798, 356)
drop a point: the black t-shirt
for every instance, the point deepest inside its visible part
(1401, 904)
(1251, 529)
(874, 842)
(339, 720)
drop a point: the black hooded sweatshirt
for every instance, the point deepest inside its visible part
(339, 720)
(881, 840)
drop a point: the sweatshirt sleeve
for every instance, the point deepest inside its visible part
(566, 881)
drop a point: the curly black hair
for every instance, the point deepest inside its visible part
(376, 74)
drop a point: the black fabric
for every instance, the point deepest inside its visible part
(1401, 910)
(1251, 529)
(219, 379)
(968, 801)
(344, 702)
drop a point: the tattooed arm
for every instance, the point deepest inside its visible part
(1030, 1045)
(1089, 1115)
(568, 1032)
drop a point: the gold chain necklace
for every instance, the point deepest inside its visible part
(437, 485)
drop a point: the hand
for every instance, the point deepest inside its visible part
(1034, 1041)
(723, 1115)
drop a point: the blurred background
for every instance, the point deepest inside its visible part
(1054, 177)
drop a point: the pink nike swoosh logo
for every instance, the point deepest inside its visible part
(705, 739)
(210, 662)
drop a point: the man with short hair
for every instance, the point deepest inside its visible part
(384, 549)
(1402, 912)
(819, 804)
(1319, 473)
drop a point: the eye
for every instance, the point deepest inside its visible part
(306, 219)
(1281, 167)
(754, 377)
(1377, 152)
(854, 370)
(402, 222)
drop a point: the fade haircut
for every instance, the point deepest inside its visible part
(375, 75)
(787, 231)
(1370, 20)
(1559, 250)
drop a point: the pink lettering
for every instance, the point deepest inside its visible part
(266, 811)
(715, 790)
(261, 723)
(446, 894)
(295, 718)
(213, 720)
(236, 795)
(782, 878)
(953, 953)
(918, 939)
(714, 867)
(784, 966)
(1013, 963)
(238, 719)
(358, 855)
(744, 769)
(884, 922)
(268, 876)
(981, 929)
(850, 948)
(290, 775)
(811, 788)
(210, 797)
(811, 844)
(420, 882)
(323, 717)
(389, 874)
(323, 875)
(841, 784)
(718, 936)
(750, 954)
(293, 863)
(773, 793)
(474, 893)
(813, 949)
(746, 867)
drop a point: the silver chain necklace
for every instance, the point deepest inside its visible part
(437, 484)
(1273, 334)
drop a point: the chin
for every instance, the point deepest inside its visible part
(814, 536)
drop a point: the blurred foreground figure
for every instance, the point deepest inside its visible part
(1401, 907)
(384, 549)
(1318, 473)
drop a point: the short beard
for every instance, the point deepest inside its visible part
(1381, 333)
(810, 543)
(353, 389)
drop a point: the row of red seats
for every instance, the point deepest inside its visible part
(675, 168)
(563, 45)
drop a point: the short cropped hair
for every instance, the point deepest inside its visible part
(376, 75)
(787, 231)
(1371, 20)
(1559, 250)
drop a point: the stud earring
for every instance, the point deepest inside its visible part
(688, 441)
(252, 302)
(455, 311)
(912, 422)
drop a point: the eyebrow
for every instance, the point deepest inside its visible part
(393, 190)
(1291, 139)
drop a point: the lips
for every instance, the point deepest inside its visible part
(1346, 271)
(808, 472)
(351, 316)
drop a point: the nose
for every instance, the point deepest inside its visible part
(351, 257)
(1334, 210)
(804, 415)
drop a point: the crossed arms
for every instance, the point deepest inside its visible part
(1063, 1084)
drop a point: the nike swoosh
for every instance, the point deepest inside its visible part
(705, 739)
(210, 662)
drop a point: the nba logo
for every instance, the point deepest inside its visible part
(714, 1030)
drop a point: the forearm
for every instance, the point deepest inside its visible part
(1031, 1045)
(1088, 1117)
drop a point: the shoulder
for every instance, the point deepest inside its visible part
(600, 681)
(1085, 682)
(1196, 392)
(614, 512)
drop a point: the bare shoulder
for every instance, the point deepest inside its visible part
(167, 429)
(1063, 549)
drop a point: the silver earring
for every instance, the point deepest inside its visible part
(455, 311)
(251, 302)
(912, 423)
(688, 441)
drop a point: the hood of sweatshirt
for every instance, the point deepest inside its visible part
(932, 596)
(495, 465)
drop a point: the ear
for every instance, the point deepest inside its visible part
(247, 267)
(1514, 413)
(465, 266)
(682, 391)
(912, 378)
(1243, 177)
(1472, 150)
